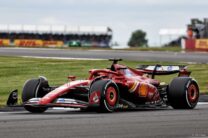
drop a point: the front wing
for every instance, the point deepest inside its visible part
(60, 102)
(72, 103)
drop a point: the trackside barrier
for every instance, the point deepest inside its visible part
(197, 44)
(27, 42)
(53, 43)
(4, 42)
(48, 43)
(37, 43)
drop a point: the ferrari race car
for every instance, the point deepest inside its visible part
(116, 88)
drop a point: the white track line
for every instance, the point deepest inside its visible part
(62, 58)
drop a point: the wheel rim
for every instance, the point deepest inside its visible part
(192, 93)
(111, 96)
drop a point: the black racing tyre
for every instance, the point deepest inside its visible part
(109, 95)
(33, 89)
(183, 93)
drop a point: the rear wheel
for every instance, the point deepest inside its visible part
(183, 93)
(109, 95)
(33, 89)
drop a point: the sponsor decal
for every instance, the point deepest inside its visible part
(122, 106)
(27, 42)
(37, 42)
(53, 43)
(190, 43)
(61, 100)
(202, 43)
(160, 68)
(34, 100)
(169, 68)
(66, 101)
(163, 68)
(4, 42)
(143, 90)
(133, 87)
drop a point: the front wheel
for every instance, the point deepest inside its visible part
(109, 95)
(34, 89)
(183, 93)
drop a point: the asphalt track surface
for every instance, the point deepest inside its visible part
(139, 124)
(194, 57)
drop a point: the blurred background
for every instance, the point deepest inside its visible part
(103, 23)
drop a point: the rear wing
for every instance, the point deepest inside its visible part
(164, 70)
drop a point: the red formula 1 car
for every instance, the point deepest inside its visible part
(114, 88)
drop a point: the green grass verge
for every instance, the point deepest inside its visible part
(14, 71)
